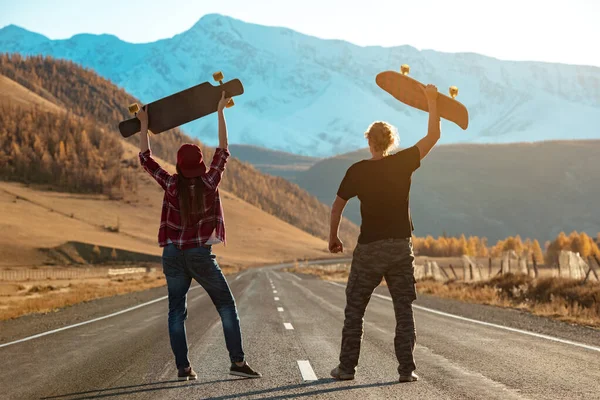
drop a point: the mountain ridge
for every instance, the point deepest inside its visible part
(212, 16)
(315, 97)
(534, 189)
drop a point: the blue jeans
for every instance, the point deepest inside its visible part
(179, 267)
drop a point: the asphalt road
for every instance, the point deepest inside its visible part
(128, 355)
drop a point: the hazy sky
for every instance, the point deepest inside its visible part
(565, 31)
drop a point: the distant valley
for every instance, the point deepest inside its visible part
(535, 190)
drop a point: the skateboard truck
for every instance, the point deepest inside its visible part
(133, 108)
(453, 91)
(218, 76)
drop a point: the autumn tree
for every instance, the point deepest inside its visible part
(536, 250)
(577, 242)
(56, 150)
(482, 247)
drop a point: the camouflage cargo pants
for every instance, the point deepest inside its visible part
(392, 259)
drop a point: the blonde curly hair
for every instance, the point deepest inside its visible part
(382, 136)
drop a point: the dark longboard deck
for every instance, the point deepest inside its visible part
(182, 107)
(408, 91)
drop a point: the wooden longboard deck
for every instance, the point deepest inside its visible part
(182, 107)
(409, 91)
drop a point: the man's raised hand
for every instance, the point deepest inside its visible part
(431, 92)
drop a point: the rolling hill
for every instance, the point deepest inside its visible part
(315, 97)
(83, 92)
(535, 190)
(273, 162)
(15, 94)
(36, 217)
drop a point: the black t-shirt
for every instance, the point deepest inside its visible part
(383, 187)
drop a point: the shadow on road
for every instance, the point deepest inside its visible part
(174, 384)
(349, 386)
(122, 390)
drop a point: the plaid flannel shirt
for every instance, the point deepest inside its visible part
(171, 226)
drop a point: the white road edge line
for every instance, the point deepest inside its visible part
(295, 276)
(274, 291)
(506, 328)
(64, 328)
(240, 275)
(306, 370)
(276, 298)
(288, 326)
(280, 309)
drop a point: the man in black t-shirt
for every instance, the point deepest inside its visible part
(384, 249)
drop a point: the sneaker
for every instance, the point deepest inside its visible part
(245, 371)
(409, 378)
(185, 374)
(338, 374)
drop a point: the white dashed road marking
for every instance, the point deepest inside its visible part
(306, 370)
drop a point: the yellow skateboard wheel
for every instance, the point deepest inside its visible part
(453, 91)
(133, 108)
(405, 69)
(230, 104)
(218, 76)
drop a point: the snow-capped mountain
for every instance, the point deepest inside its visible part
(316, 97)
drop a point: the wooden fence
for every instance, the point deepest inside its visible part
(32, 274)
(468, 269)
(568, 265)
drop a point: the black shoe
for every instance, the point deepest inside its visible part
(185, 374)
(245, 371)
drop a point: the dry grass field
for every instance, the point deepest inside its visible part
(14, 93)
(34, 220)
(27, 296)
(19, 298)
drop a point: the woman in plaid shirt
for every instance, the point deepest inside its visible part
(191, 223)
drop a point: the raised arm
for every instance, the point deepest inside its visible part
(433, 128)
(335, 244)
(142, 115)
(223, 142)
(217, 166)
(162, 177)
